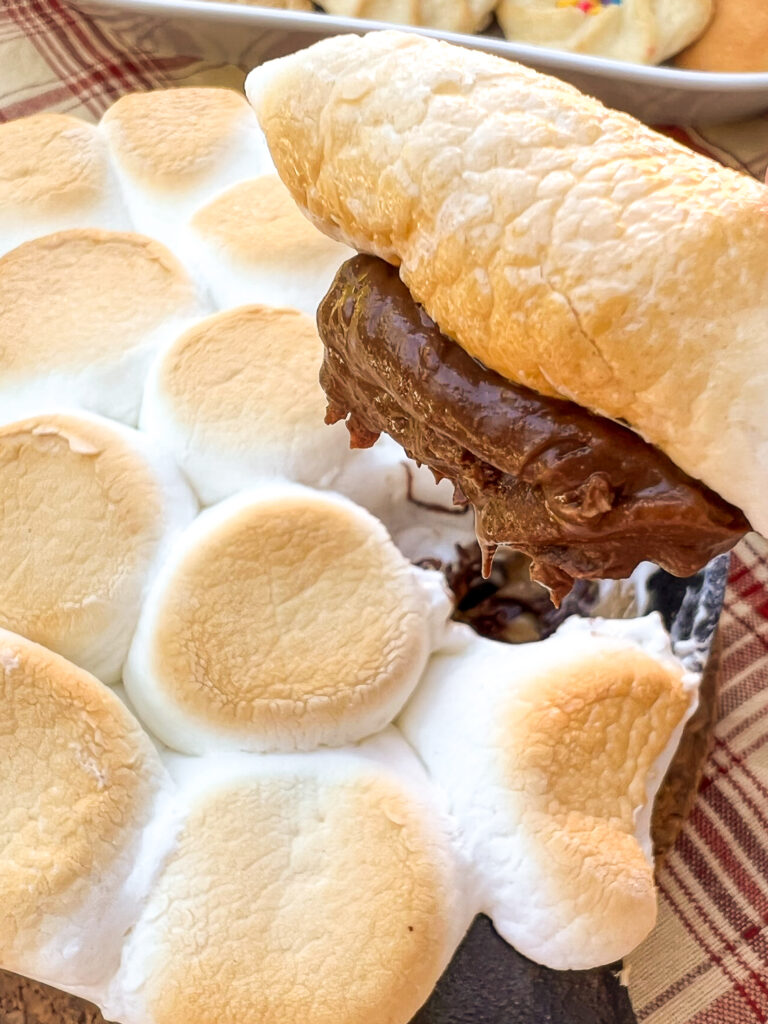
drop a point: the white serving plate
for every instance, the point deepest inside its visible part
(246, 35)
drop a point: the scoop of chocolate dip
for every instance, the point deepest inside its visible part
(581, 495)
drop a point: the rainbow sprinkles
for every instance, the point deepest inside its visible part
(589, 6)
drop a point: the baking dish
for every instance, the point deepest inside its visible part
(246, 35)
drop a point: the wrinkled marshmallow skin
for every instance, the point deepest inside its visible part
(284, 619)
(551, 755)
(79, 787)
(319, 889)
(55, 173)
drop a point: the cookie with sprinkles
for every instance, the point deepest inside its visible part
(639, 31)
(589, 6)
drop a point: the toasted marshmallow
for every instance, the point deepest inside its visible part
(284, 619)
(54, 174)
(252, 244)
(89, 507)
(79, 845)
(81, 316)
(236, 400)
(551, 754)
(174, 149)
(320, 889)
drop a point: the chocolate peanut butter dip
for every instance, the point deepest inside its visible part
(581, 495)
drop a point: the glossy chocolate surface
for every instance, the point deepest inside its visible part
(581, 495)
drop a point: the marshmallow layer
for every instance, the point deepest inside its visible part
(175, 149)
(252, 244)
(89, 508)
(284, 619)
(79, 785)
(321, 889)
(54, 174)
(328, 887)
(552, 754)
(82, 313)
(236, 400)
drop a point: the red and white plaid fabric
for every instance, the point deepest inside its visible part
(54, 58)
(707, 961)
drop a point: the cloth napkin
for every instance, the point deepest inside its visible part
(707, 960)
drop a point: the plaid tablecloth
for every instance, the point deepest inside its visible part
(707, 961)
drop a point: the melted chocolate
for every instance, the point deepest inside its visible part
(582, 496)
(507, 605)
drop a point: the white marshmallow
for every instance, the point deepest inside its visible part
(310, 888)
(55, 174)
(175, 149)
(236, 400)
(252, 244)
(82, 314)
(284, 619)
(551, 754)
(85, 815)
(89, 508)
